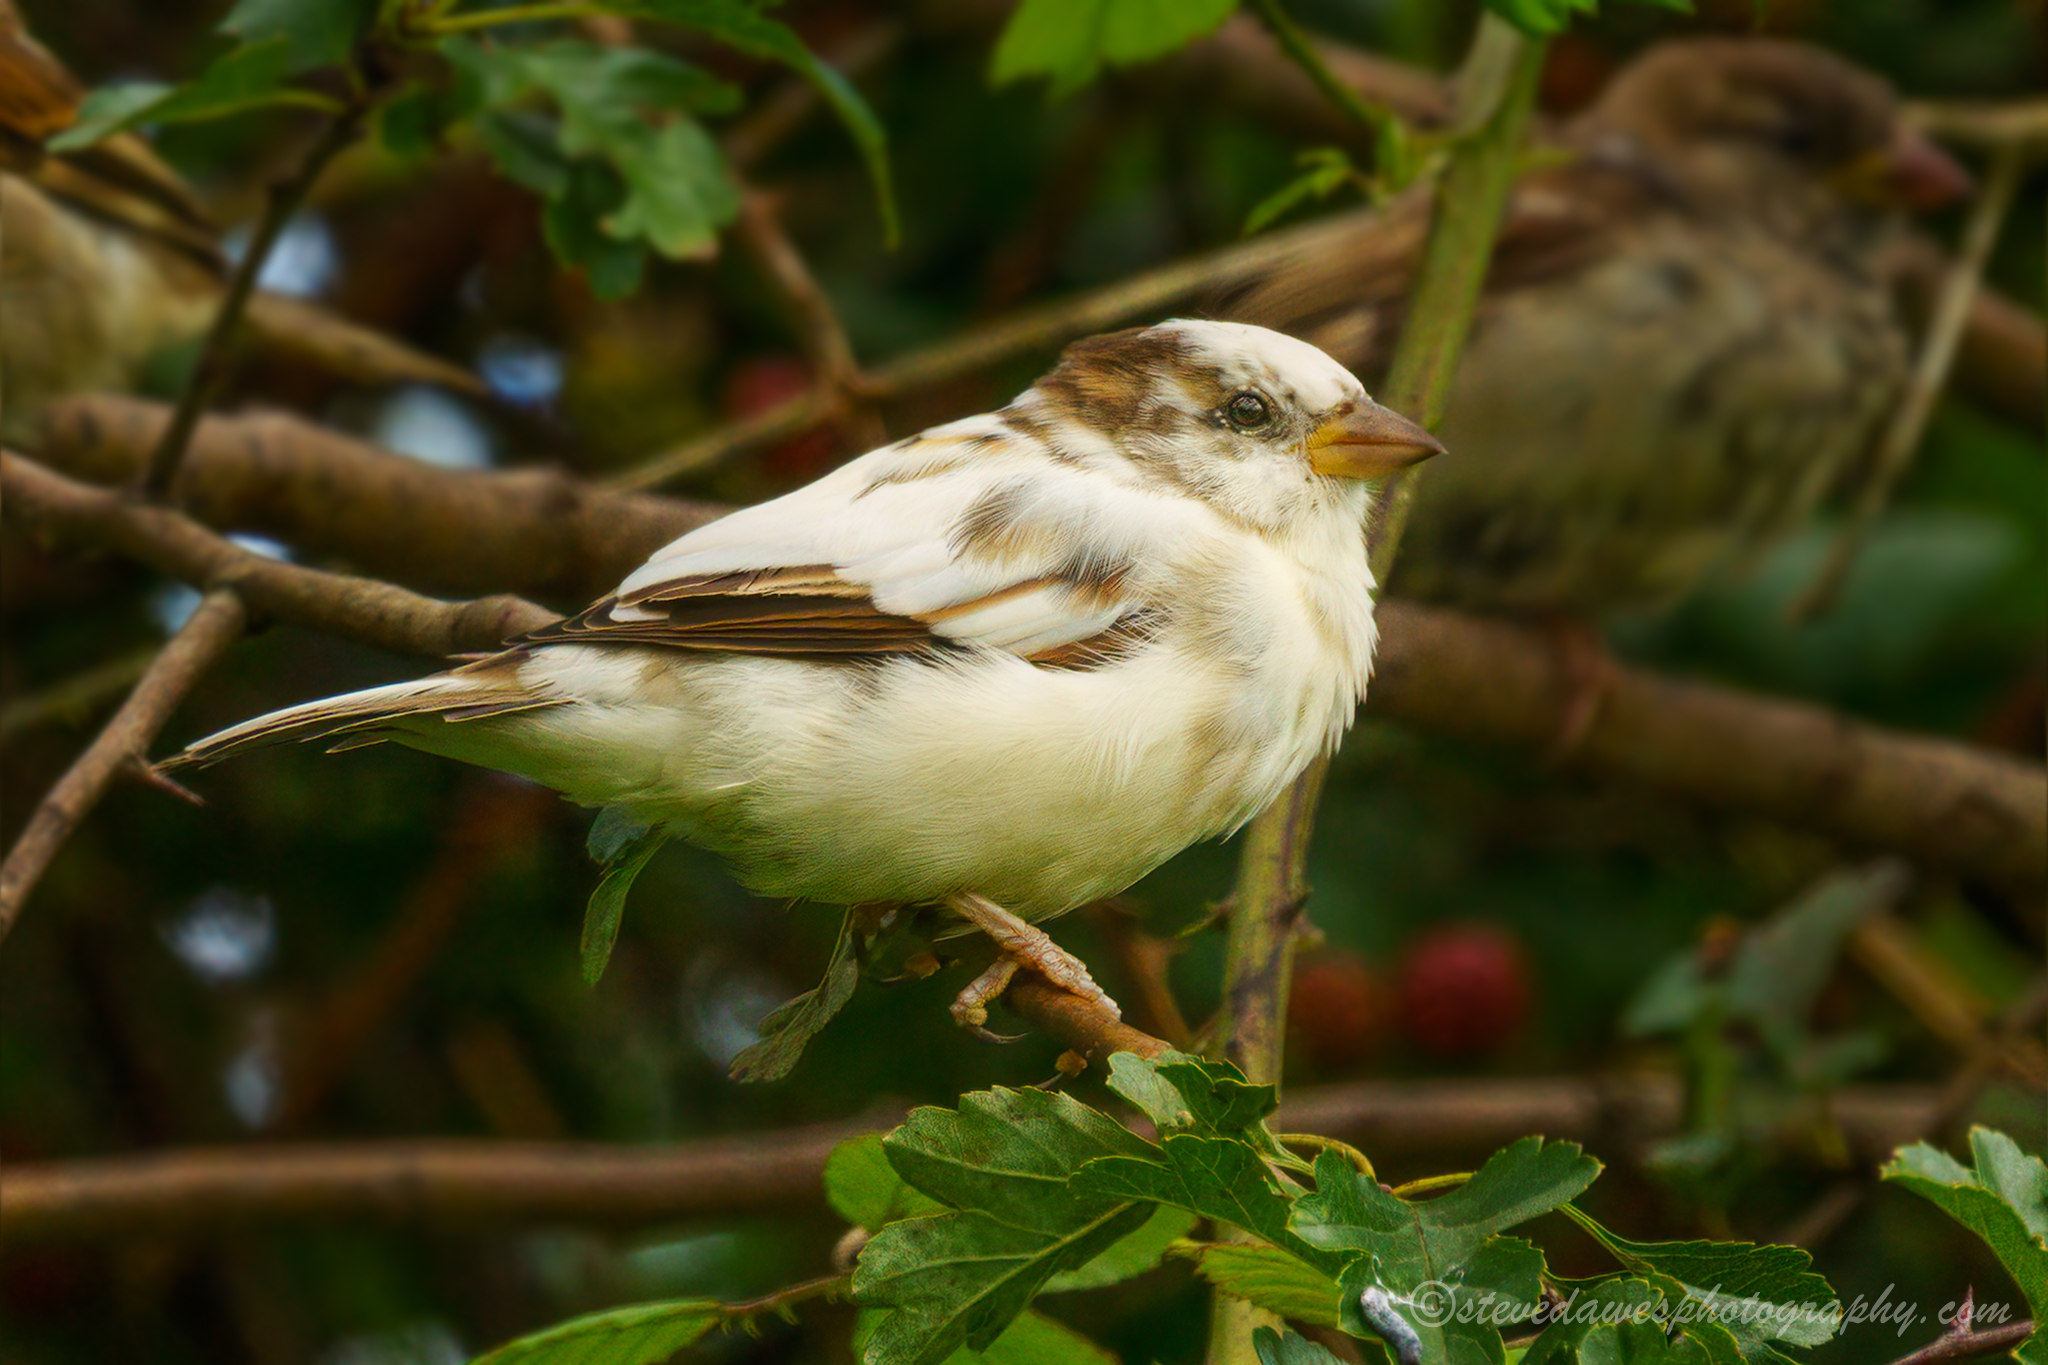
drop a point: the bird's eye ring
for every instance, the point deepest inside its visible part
(1248, 411)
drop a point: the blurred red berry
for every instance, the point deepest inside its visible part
(1464, 990)
(1337, 1010)
(754, 386)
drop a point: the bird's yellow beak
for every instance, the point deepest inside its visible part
(1910, 173)
(1367, 441)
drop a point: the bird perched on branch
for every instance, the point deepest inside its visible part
(1686, 340)
(1007, 666)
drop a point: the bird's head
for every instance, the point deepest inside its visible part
(1264, 428)
(1774, 129)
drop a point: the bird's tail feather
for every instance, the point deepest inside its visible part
(369, 717)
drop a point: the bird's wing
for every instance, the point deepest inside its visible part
(1349, 293)
(967, 536)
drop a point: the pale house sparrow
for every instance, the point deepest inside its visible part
(1007, 666)
(1686, 339)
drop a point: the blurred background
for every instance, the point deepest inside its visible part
(384, 945)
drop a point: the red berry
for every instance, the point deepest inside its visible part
(753, 387)
(1464, 990)
(1337, 1010)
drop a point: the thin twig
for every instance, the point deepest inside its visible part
(1983, 123)
(1969, 1345)
(210, 373)
(123, 745)
(1082, 1025)
(1902, 435)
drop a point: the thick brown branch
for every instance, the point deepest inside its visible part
(527, 531)
(459, 1182)
(51, 505)
(1944, 803)
(123, 745)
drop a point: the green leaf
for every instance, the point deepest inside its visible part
(1213, 1177)
(1541, 18)
(1143, 1250)
(1001, 1162)
(864, 1189)
(608, 902)
(1328, 170)
(1070, 41)
(788, 1028)
(525, 148)
(1290, 1348)
(1035, 1339)
(677, 193)
(1748, 1294)
(746, 29)
(319, 32)
(571, 224)
(1184, 1094)
(1443, 1246)
(640, 1335)
(1271, 1279)
(1784, 963)
(2004, 1200)
(249, 77)
(1617, 1321)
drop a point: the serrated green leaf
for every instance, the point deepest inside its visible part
(2004, 1200)
(1271, 1279)
(864, 1189)
(1214, 1177)
(642, 1334)
(1597, 1311)
(677, 192)
(1184, 1094)
(746, 29)
(791, 1026)
(1143, 1250)
(525, 149)
(1009, 1153)
(1070, 41)
(961, 1278)
(1540, 18)
(1290, 1348)
(1035, 1339)
(571, 225)
(1747, 1294)
(320, 32)
(607, 906)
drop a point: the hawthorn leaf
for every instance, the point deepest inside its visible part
(1213, 1177)
(1188, 1094)
(248, 77)
(864, 1189)
(641, 1334)
(1271, 1279)
(1035, 1339)
(319, 32)
(1143, 1250)
(1070, 41)
(790, 1027)
(677, 192)
(1290, 1348)
(2004, 1200)
(745, 29)
(1736, 1296)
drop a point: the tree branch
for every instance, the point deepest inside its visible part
(528, 531)
(1081, 1024)
(122, 746)
(1970, 1345)
(171, 543)
(452, 1182)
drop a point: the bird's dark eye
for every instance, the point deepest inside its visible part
(1248, 411)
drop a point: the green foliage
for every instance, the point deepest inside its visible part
(1547, 18)
(639, 1335)
(787, 1029)
(1270, 1278)
(1070, 41)
(1290, 1348)
(319, 32)
(624, 849)
(2003, 1199)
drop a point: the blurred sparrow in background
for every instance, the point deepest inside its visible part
(108, 261)
(1686, 341)
(1007, 666)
